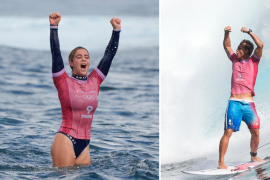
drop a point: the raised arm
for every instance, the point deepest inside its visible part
(227, 41)
(57, 61)
(258, 42)
(106, 61)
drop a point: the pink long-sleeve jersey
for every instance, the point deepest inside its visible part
(79, 100)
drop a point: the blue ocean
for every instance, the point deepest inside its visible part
(125, 130)
(196, 84)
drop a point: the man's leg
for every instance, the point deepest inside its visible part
(254, 143)
(223, 146)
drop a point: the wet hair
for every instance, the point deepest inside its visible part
(73, 52)
(248, 45)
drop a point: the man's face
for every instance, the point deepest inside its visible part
(241, 51)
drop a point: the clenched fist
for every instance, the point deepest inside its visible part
(116, 23)
(244, 30)
(228, 29)
(55, 18)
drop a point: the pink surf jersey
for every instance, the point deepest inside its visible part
(79, 100)
(244, 74)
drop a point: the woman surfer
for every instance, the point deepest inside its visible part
(78, 95)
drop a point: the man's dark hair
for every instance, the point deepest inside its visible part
(248, 45)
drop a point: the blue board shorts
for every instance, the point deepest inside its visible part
(241, 110)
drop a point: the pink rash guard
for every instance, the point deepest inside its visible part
(78, 95)
(79, 100)
(244, 74)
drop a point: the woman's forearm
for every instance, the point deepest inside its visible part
(57, 61)
(106, 61)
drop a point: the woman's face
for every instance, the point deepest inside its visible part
(80, 63)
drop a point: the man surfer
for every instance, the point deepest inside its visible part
(241, 105)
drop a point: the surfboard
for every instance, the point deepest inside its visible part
(234, 169)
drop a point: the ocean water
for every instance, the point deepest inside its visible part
(195, 85)
(125, 130)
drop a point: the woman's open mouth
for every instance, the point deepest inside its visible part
(83, 66)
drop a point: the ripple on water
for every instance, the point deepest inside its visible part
(20, 92)
(107, 88)
(11, 121)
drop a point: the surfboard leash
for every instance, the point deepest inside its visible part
(263, 145)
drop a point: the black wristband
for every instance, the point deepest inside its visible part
(249, 31)
(253, 154)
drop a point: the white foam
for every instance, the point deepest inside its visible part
(92, 32)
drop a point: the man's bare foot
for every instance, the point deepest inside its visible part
(256, 159)
(222, 165)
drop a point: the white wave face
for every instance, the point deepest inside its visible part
(196, 74)
(91, 32)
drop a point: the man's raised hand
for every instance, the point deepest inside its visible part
(244, 30)
(116, 23)
(228, 29)
(55, 18)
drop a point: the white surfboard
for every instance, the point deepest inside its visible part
(231, 169)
